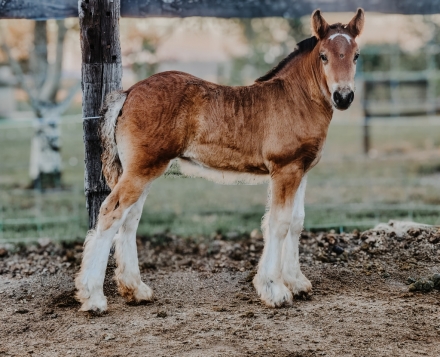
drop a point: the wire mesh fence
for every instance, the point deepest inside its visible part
(30, 215)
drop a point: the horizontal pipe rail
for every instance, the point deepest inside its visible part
(56, 9)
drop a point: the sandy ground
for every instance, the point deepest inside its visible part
(359, 307)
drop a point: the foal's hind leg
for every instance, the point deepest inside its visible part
(293, 278)
(112, 215)
(127, 274)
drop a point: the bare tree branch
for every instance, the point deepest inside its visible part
(20, 77)
(62, 106)
(52, 82)
(38, 65)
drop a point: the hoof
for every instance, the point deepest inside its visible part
(300, 286)
(138, 294)
(143, 293)
(97, 304)
(272, 292)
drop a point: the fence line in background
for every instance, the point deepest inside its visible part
(341, 215)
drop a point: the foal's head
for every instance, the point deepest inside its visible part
(338, 53)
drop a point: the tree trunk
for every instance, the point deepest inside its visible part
(101, 74)
(45, 161)
(52, 83)
(45, 158)
(38, 57)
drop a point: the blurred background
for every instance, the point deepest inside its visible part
(381, 160)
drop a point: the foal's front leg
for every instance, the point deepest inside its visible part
(269, 281)
(293, 278)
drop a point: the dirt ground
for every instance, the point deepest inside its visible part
(206, 305)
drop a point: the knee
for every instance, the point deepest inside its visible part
(281, 228)
(108, 216)
(298, 219)
(135, 212)
(279, 224)
(110, 203)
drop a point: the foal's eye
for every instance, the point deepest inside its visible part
(356, 56)
(323, 57)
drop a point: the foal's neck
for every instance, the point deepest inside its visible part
(304, 76)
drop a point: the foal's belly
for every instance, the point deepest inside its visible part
(193, 168)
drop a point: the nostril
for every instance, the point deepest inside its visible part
(350, 97)
(337, 97)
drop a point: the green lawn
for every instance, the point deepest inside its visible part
(346, 189)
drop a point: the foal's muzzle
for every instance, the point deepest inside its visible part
(343, 99)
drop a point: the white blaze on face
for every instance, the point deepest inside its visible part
(344, 86)
(348, 38)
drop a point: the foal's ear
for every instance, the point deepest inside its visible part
(319, 25)
(356, 24)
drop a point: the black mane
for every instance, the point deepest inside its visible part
(304, 46)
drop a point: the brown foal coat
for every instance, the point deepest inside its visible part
(260, 129)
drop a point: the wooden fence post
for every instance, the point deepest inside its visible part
(101, 74)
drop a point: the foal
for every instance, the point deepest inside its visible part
(273, 130)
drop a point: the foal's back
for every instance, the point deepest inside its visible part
(180, 115)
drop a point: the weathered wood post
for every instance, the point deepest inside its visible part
(101, 74)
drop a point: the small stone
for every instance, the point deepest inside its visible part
(236, 253)
(108, 337)
(414, 232)
(251, 276)
(434, 239)
(365, 246)
(220, 308)
(330, 238)
(242, 296)
(21, 311)
(247, 314)
(436, 280)
(44, 242)
(232, 235)
(256, 234)
(422, 285)
(3, 252)
(428, 285)
(162, 314)
(337, 249)
(411, 280)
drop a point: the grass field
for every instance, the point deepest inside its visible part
(346, 190)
